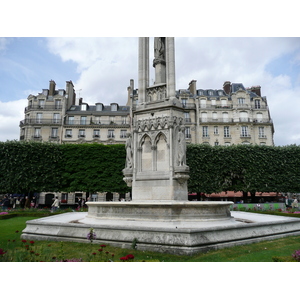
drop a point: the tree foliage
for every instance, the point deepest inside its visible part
(40, 167)
(247, 168)
(93, 167)
(29, 166)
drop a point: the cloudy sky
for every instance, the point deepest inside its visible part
(101, 67)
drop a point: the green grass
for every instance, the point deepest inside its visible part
(268, 251)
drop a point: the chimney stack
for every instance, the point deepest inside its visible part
(256, 90)
(227, 87)
(52, 88)
(192, 87)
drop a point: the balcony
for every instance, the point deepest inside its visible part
(43, 107)
(96, 124)
(262, 121)
(211, 120)
(209, 106)
(36, 137)
(35, 121)
(245, 135)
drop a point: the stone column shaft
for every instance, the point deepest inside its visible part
(170, 61)
(143, 64)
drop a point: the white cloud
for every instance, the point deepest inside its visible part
(105, 66)
(11, 113)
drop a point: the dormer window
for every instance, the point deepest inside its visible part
(83, 106)
(114, 107)
(99, 106)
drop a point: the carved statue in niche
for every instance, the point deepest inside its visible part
(181, 147)
(129, 152)
(159, 48)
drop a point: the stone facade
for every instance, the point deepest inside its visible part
(56, 116)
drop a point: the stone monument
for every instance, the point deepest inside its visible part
(156, 161)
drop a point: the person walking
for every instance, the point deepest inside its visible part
(55, 204)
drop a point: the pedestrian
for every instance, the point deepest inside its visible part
(27, 202)
(55, 204)
(295, 203)
(5, 203)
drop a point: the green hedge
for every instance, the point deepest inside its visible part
(36, 167)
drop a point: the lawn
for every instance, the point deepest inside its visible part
(18, 250)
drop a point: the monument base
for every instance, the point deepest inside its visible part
(170, 229)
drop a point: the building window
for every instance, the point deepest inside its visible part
(202, 103)
(114, 107)
(225, 117)
(187, 132)
(210, 93)
(187, 117)
(123, 134)
(111, 120)
(257, 103)
(41, 103)
(204, 117)
(54, 132)
(261, 132)
(99, 107)
(183, 102)
(57, 104)
(216, 143)
(124, 120)
(227, 143)
(224, 103)
(244, 131)
(241, 101)
(56, 118)
(226, 132)
(111, 133)
(216, 130)
(98, 120)
(68, 133)
(96, 133)
(71, 120)
(205, 131)
(37, 132)
(39, 117)
(83, 120)
(81, 133)
(215, 116)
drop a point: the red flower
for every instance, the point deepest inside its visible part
(2, 251)
(31, 242)
(24, 241)
(107, 252)
(130, 256)
(37, 254)
(100, 250)
(17, 231)
(94, 253)
(124, 258)
(102, 245)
